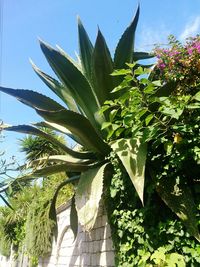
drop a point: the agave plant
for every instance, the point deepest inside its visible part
(83, 87)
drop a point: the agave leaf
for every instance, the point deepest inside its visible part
(73, 79)
(60, 90)
(85, 50)
(74, 218)
(60, 159)
(44, 171)
(59, 128)
(132, 154)
(125, 47)
(179, 199)
(141, 55)
(88, 196)
(79, 126)
(32, 99)
(102, 67)
(77, 64)
(52, 210)
(27, 129)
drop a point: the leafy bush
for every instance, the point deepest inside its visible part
(164, 114)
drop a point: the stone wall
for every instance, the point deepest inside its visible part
(94, 249)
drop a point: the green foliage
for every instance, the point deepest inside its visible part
(36, 147)
(28, 226)
(150, 235)
(77, 82)
(149, 121)
(167, 125)
(39, 228)
(5, 234)
(12, 226)
(162, 110)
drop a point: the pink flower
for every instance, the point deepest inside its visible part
(190, 50)
(161, 65)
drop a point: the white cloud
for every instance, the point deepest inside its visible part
(191, 29)
(149, 37)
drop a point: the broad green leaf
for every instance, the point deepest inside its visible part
(27, 129)
(60, 90)
(141, 55)
(102, 67)
(73, 79)
(179, 199)
(159, 255)
(73, 217)
(157, 83)
(85, 49)
(88, 196)
(121, 72)
(132, 154)
(79, 126)
(148, 119)
(125, 47)
(197, 96)
(140, 71)
(175, 259)
(32, 99)
(106, 125)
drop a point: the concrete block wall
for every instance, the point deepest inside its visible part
(94, 249)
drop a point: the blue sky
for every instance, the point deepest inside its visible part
(55, 22)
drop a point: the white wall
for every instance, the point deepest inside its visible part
(94, 249)
(88, 250)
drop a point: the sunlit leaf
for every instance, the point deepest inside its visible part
(132, 154)
(102, 67)
(86, 50)
(59, 89)
(88, 196)
(125, 47)
(73, 79)
(32, 99)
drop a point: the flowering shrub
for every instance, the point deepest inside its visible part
(180, 63)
